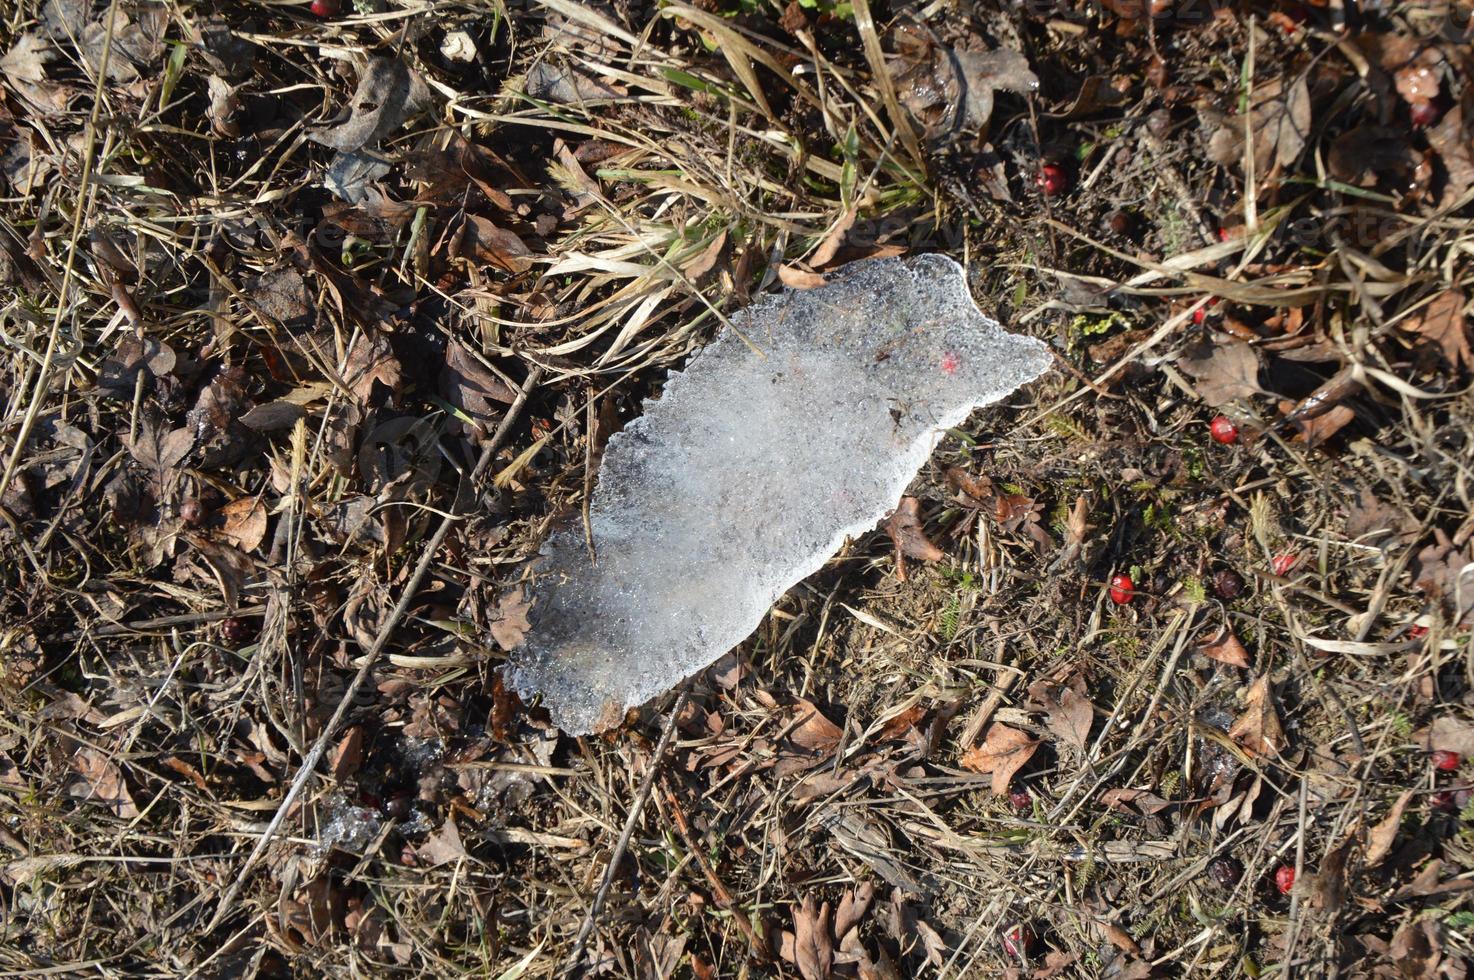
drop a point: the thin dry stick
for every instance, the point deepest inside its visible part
(314, 756)
(641, 798)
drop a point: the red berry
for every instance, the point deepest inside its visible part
(1051, 179)
(1446, 761)
(1199, 315)
(1281, 564)
(1021, 800)
(1223, 430)
(324, 8)
(1016, 941)
(1122, 589)
(1417, 632)
(1284, 878)
(1224, 234)
(1424, 114)
(1442, 800)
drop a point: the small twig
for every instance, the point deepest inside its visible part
(719, 891)
(427, 557)
(641, 798)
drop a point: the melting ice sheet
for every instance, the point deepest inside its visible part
(751, 471)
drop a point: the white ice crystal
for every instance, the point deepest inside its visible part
(750, 472)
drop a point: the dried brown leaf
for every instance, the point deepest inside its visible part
(443, 846)
(1448, 733)
(1439, 569)
(1382, 836)
(1280, 121)
(24, 66)
(904, 527)
(347, 755)
(1417, 949)
(852, 908)
(813, 949)
(1076, 527)
(511, 624)
(370, 361)
(389, 92)
(1068, 711)
(1444, 324)
(815, 733)
(796, 278)
(101, 782)
(1226, 649)
(1258, 728)
(1003, 752)
(483, 241)
(1142, 801)
(470, 387)
(1222, 370)
(1327, 888)
(245, 523)
(1453, 139)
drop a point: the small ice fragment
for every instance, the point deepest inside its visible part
(750, 472)
(347, 827)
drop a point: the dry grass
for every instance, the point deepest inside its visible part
(188, 598)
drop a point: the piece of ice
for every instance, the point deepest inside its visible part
(750, 472)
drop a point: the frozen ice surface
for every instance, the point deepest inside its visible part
(348, 827)
(750, 472)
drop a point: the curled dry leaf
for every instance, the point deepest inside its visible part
(389, 92)
(951, 91)
(1384, 834)
(796, 278)
(1134, 801)
(101, 782)
(1453, 138)
(904, 527)
(1226, 649)
(852, 908)
(1258, 728)
(482, 242)
(1003, 752)
(245, 523)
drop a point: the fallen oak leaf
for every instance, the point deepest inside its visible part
(1003, 753)
(1068, 711)
(813, 949)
